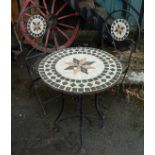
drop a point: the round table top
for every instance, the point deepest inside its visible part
(80, 70)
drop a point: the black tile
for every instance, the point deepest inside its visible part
(89, 84)
(74, 89)
(47, 70)
(103, 86)
(65, 83)
(87, 90)
(73, 85)
(90, 80)
(49, 73)
(93, 88)
(112, 65)
(81, 85)
(62, 87)
(57, 85)
(58, 80)
(78, 81)
(108, 84)
(111, 73)
(112, 81)
(112, 69)
(84, 81)
(52, 83)
(68, 88)
(108, 77)
(80, 89)
(53, 77)
(98, 87)
(41, 71)
(104, 80)
(48, 62)
(106, 68)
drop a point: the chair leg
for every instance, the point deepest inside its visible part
(81, 118)
(61, 110)
(98, 112)
(38, 99)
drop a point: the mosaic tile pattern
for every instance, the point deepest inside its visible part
(36, 26)
(80, 70)
(120, 29)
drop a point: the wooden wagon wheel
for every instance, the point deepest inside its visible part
(47, 28)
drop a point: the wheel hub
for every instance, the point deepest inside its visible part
(52, 21)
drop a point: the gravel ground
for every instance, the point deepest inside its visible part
(35, 134)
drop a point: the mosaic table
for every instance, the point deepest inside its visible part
(80, 70)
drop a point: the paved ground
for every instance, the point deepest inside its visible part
(34, 134)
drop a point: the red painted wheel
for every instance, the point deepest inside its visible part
(47, 28)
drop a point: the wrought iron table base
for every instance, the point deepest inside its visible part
(81, 114)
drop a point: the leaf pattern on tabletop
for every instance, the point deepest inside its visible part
(80, 65)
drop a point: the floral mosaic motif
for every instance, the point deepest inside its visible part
(80, 65)
(119, 29)
(37, 26)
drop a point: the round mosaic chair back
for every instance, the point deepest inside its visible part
(80, 70)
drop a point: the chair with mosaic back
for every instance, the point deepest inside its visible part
(45, 25)
(121, 30)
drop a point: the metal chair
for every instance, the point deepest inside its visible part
(32, 60)
(121, 30)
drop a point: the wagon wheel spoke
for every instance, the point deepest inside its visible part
(68, 16)
(66, 26)
(47, 37)
(37, 7)
(30, 12)
(61, 9)
(27, 14)
(46, 8)
(27, 34)
(62, 32)
(55, 40)
(53, 6)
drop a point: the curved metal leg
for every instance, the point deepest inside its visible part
(98, 112)
(81, 118)
(39, 100)
(61, 110)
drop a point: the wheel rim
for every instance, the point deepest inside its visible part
(47, 28)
